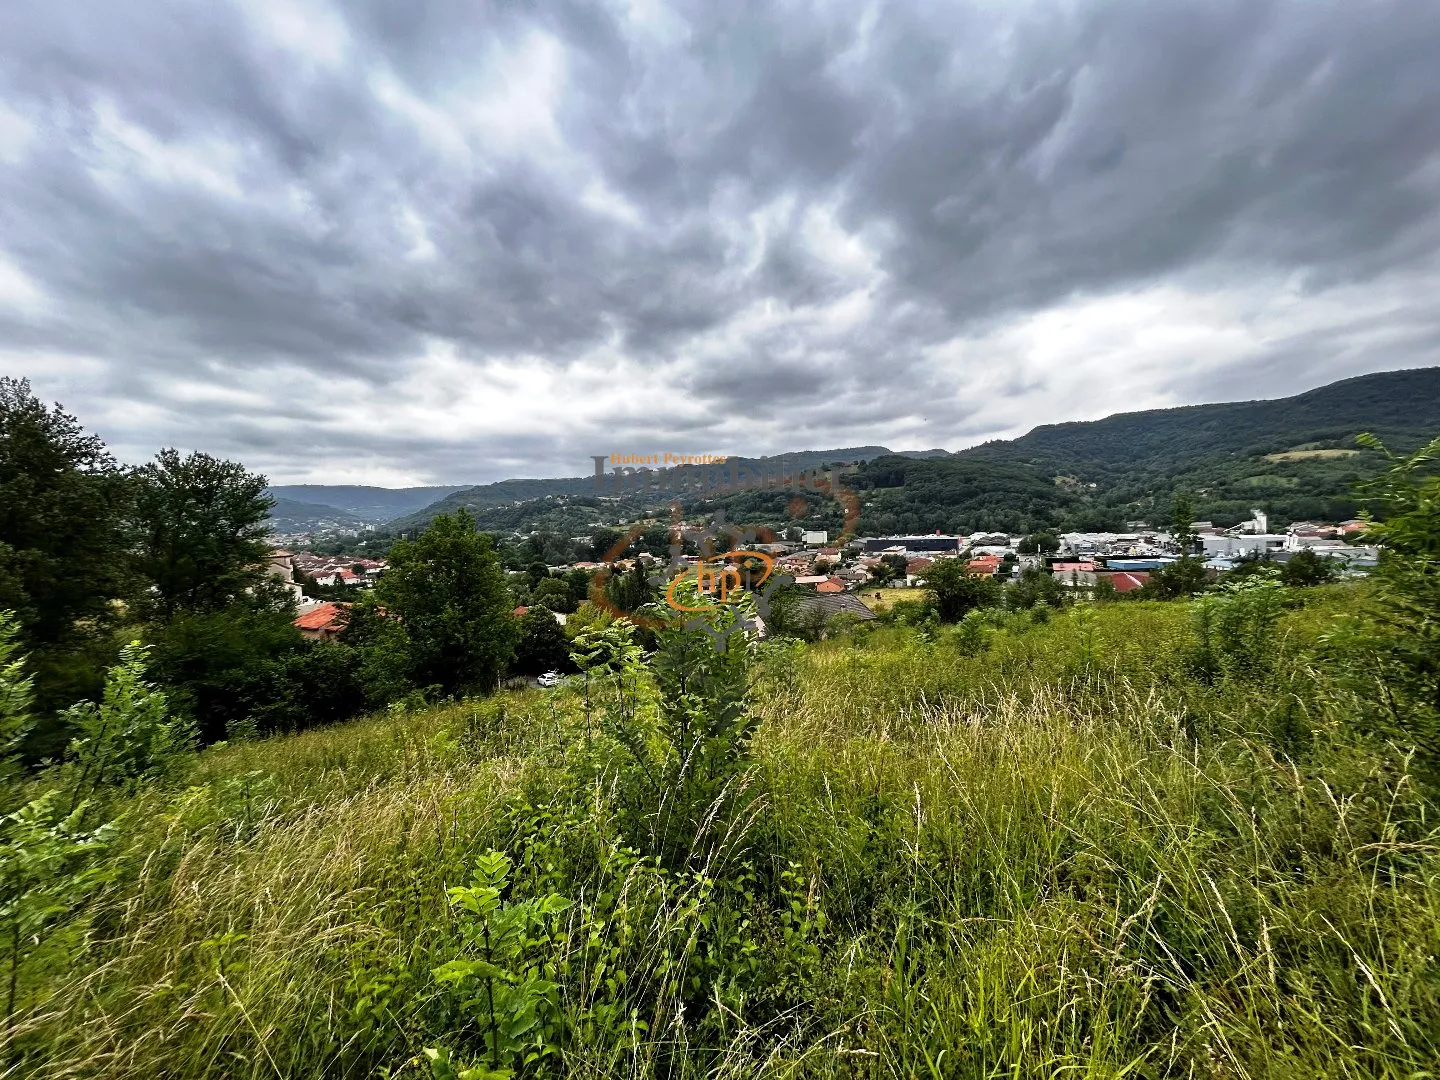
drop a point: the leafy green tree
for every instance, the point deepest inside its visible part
(588, 618)
(1044, 543)
(62, 542)
(655, 540)
(602, 543)
(447, 590)
(543, 646)
(882, 573)
(200, 525)
(1184, 577)
(1306, 568)
(578, 582)
(953, 591)
(219, 666)
(554, 594)
(631, 590)
(898, 565)
(1182, 522)
(1034, 586)
(379, 640)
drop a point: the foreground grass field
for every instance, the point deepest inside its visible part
(1047, 853)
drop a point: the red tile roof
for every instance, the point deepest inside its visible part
(324, 617)
(832, 584)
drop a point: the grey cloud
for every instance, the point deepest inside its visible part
(999, 160)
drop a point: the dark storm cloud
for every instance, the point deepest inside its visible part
(795, 215)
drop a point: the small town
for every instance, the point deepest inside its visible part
(857, 575)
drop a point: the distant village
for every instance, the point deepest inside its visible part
(838, 572)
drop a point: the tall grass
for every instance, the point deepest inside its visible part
(1059, 856)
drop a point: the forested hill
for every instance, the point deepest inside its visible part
(507, 492)
(1402, 407)
(1294, 457)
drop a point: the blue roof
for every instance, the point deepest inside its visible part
(1137, 564)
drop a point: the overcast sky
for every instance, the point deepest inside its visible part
(455, 241)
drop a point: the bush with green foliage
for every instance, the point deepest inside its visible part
(1306, 569)
(505, 981)
(1392, 655)
(542, 646)
(953, 590)
(1034, 586)
(554, 594)
(130, 736)
(1235, 625)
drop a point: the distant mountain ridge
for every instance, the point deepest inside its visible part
(369, 505)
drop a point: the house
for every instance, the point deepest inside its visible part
(323, 623)
(1128, 581)
(986, 565)
(831, 585)
(812, 580)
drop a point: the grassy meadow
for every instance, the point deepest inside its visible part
(883, 599)
(1042, 848)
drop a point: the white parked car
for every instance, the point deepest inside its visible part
(551, 678)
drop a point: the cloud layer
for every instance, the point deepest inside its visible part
(453, 242)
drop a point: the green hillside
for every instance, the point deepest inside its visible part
(484, 501)
(1399, 406)
(291, 515)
